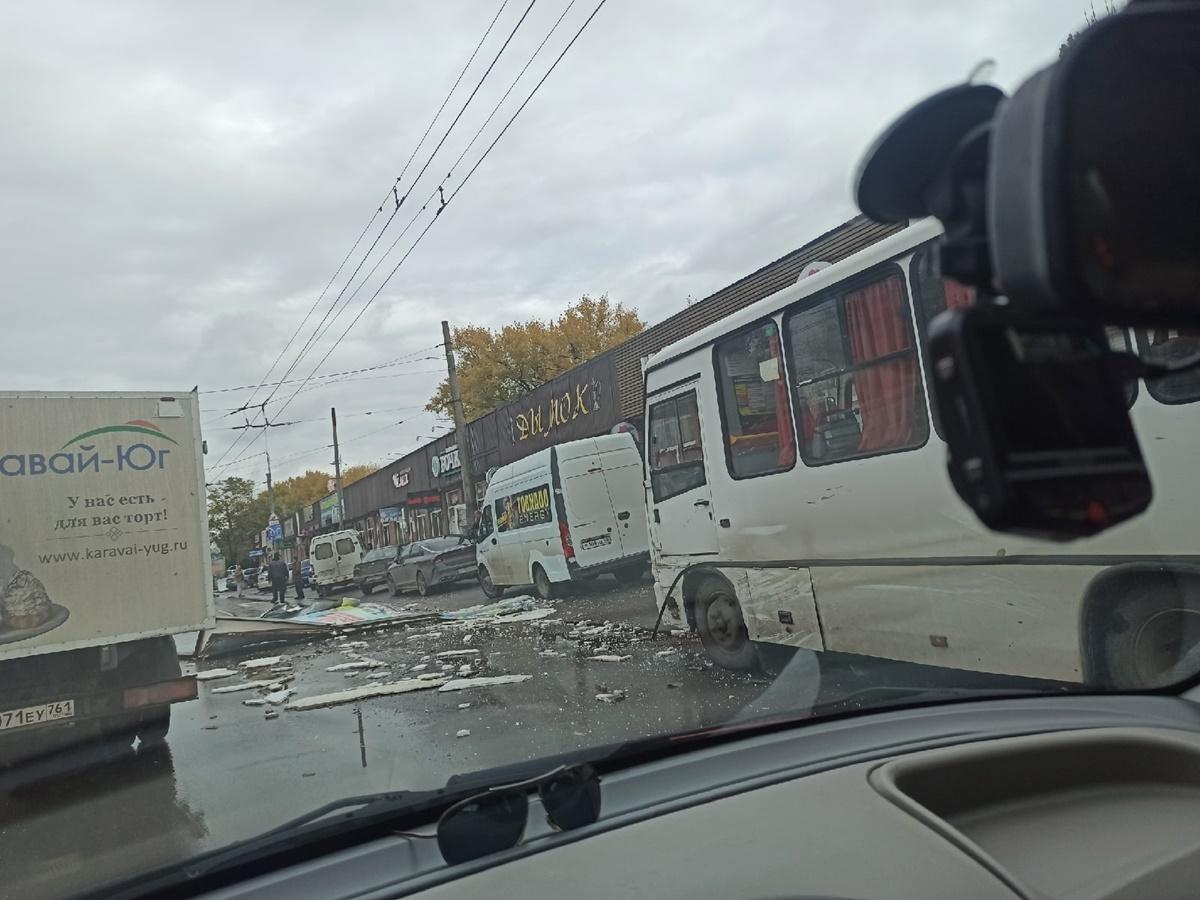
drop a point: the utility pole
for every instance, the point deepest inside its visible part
(337, 468)
(466, 463)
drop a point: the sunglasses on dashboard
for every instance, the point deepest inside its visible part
(495, 819)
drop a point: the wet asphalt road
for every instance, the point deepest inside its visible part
(229, 772)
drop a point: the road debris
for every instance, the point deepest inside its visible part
(420, 667)
(271, 714)
(213, 674)
(465, 671)
(366, 692)
(244, 686)
(357, 664)
(455, 654)
(464, 706)
(255, 701)
(277, 697)
(614, 696)
(463, 732)
(462, 684)
(609, 657)
(375, 676)
(264, 663)
(430, 676)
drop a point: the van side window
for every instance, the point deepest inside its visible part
(755, 409)
(521, 510)
(323, 550)
(485, 527)
(1171, 345)
(855, 373)
(676, 449)
(345, 546)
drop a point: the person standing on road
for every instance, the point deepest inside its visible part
(298, 577)
(239, 579)
(277, 574)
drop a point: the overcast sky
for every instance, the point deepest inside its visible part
(180, 181)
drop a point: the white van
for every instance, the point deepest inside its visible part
(568, 512)
(333, 557)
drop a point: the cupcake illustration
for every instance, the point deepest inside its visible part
(24, 603)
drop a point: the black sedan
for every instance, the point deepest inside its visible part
(372, 571)
(428, 564)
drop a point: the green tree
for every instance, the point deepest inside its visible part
(230, 506)
(495, 367)
(351, 474)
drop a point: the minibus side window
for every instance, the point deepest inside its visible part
(854, 368)
(676, 450)
(756, 414)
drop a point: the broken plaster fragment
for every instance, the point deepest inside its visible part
(463, 732)
(263, 663)
(461, 684)
(609, 657)
(614, 696)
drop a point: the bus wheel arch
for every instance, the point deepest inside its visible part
(715, 612)
(1136, 622)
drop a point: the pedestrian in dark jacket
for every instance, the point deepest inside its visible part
(277, 573)
(298, 577)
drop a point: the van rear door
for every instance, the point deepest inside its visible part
(622, 466)
(590, 516)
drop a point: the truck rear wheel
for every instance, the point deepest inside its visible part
(721, 626)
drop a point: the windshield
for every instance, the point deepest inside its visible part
(690, 378)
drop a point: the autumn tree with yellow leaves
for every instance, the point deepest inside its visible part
(495, 367)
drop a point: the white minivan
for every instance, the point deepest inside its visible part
(333, 557)
(568, 512)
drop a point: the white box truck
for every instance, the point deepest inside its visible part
(104, 555)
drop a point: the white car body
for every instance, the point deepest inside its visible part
(574, 511)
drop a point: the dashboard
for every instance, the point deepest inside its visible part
(1051, 797)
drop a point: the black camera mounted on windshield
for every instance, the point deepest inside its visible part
(1071, 207)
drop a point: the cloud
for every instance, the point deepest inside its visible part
(181, 182)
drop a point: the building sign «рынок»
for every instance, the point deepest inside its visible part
(445, 463)
(391, 514)
(400, 479)
(580, 403)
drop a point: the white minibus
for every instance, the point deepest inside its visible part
(797, 495)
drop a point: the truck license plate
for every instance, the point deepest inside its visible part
(36, 715)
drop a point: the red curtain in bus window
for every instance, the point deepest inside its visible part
(958, 296)
(783, 414)
(876, 323)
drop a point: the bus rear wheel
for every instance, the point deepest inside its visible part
(722, 627)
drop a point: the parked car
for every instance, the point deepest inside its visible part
(569, 512)
(372, 571)
(334, 557)
(426, 565)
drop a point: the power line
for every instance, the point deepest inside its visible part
(403, 360)
(316, 303)
(398, 200)
(478, 85)
(536, 87)
(454, 87)
(437, 214)
(345, 305)
(318, 333)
